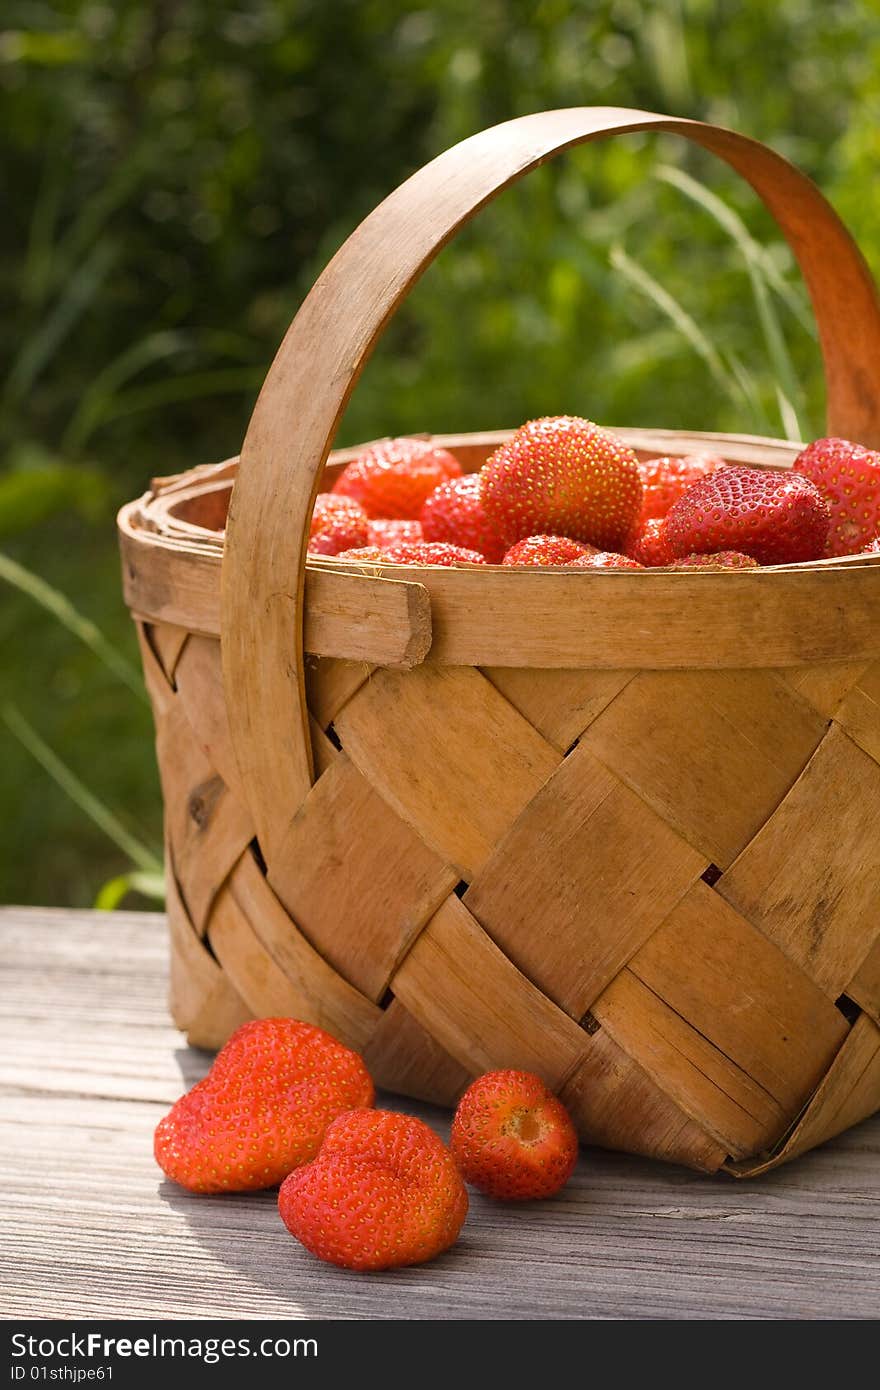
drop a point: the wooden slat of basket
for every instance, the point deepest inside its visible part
(467, 994)
(323, 996)
(864, 987)
(252, 972)
(202, 999)
(450, 754)
(746, 618)
(363, 918)
(809, 879)
(859, 712)
(587, 861)
(743, 995)
(615, 1104)
(560, 704)
(199, 682)
(402, 1056)
(387, 624)
(704, 1082)
(849, 1093)
(330, 685)
(207, 828)
(826, 685)
(713, 752)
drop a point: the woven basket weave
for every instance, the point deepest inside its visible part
(619, 828)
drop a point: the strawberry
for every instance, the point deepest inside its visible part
(338, 523)
(607, 560)
(546, 550)
(564, 477)
(454, 512)
(777, 518)
(365, 554)
(392, 479)
(385, 532)
(416, 553)
(648, 543)
(262, 1109)
(512, 1138)
(848, 476)
(382, 1192)
(873, 547)
(666, 479)
(721, 560)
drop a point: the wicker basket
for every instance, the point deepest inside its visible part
(619, 828)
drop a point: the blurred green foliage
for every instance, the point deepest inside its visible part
(177, 171)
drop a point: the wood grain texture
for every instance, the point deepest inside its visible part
(713, 752)
(505, 1021)
(361, 920)
(178, 584)
(332, 336)
(449, 753)
(810, 879)
(92, 1231)
(743, 995)
(585, 876)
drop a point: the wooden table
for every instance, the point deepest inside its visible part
(90, 1062)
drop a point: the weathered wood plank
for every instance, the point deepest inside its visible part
(90, 1062)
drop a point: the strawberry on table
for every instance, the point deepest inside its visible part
(848, 476)
(512, 1138)
(338, 523)
(454, 512)
(666, 479)
(546, 550)
(391, 479)
(382, 1192)
(262, 1109)
(563, 476)
(776, 517)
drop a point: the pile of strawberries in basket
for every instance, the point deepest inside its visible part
(563, 491)
(285, 1103)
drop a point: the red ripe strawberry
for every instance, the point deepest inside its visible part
(454, 512)
(433, 553)
(721, 560)
(563, 477)
(393, 478)
(415, 553)
(384, 532)
(546, 550)
(873, 547)
(648, 544)
(607, 560)
(382, 1192)
(338, 523)
(262, 1109)
(667, 479)
(848, 476)
(777, 518)
(512, 1138)
(365, 554)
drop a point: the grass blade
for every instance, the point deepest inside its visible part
(686, 325)
(56, 603)
(111, 893)
(107, 820)
(752, 250)
(39, 349)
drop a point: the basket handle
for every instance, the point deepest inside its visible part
(333, 334)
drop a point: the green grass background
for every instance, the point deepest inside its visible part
(177, 172)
